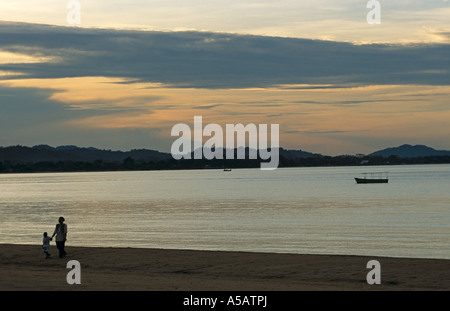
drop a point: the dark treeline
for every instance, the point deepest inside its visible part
(130, 164)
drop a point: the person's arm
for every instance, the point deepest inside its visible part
(65, 232)
(54, 232)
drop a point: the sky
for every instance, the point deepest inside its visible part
(131, 70)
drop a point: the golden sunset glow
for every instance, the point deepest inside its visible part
(177, 137)
(17, 58)
(308, 114)
(334, 82)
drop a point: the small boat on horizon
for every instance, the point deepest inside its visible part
(374, 178)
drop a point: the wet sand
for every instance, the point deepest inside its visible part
(23, 267)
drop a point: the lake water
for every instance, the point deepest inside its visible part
(291, 210)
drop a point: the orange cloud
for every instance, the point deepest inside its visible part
(307, 114)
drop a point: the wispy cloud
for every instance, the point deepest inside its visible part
(212, 60)
(97, 84)
(343, 20)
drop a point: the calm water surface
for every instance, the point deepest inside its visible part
(292, 210)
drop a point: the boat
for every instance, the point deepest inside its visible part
(227, 169)
(373, 178)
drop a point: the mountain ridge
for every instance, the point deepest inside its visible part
(410, 151)
(46, 153)
(70, 158)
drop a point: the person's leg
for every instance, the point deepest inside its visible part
(60, 247)
(63, 243)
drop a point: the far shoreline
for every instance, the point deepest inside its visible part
(215, 168)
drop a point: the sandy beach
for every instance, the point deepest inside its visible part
(23, 267)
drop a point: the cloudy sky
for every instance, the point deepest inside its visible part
(132, 69)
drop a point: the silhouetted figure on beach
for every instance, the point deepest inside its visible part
(61, 236)
(46, 245)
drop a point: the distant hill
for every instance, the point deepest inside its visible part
(45, 153)
(69, 158)
(287, 154)
(409, 151)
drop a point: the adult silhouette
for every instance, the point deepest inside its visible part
(61, 236)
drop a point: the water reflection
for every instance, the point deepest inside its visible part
(302, 210)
